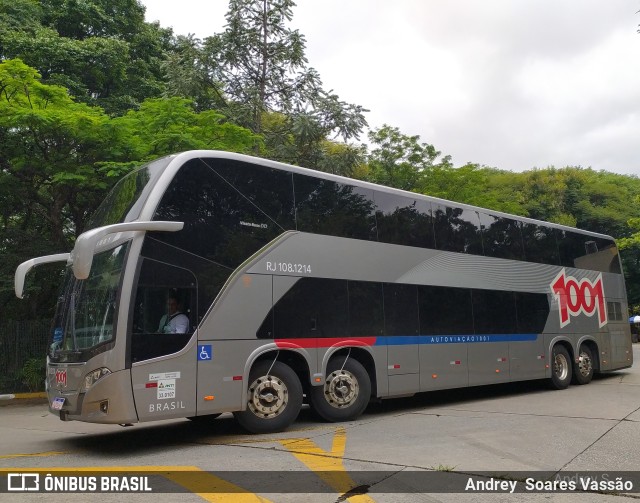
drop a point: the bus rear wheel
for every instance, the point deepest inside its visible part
(345, 393)
(561, 368)
(583, 370)
(274, 398)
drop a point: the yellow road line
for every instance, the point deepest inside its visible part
(328, 465)
(204, 484)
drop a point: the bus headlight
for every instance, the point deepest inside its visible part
(93, 377)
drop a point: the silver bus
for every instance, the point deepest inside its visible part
(299, 286)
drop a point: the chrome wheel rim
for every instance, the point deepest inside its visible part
(341, 388)
(268, 396)
(585, 365)
(561, 366)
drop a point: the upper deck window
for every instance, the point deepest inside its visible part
(335, 209)
(404, 220)
(230, 209)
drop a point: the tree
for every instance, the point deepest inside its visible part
(164, 126)
(399, 160)
(188, 75)
(102, 51)
(58, 158)
(262, 68)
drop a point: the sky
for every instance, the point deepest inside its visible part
(511, 84)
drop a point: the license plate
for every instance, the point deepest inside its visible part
(57, 403)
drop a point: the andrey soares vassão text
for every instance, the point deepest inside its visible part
(575, 483)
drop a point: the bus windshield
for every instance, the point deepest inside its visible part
(124, 201)
(86, 311)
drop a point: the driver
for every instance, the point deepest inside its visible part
(175, 321)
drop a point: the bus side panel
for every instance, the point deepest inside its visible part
(223, 378)
(165, 387)
(621, 349)
(406, 384)
(527, 359)
(403, 366)
(604, 350)
(488, 363)
(403, 358)
(443, 366)
(240, 310)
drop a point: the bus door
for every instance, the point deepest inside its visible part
(163, 349)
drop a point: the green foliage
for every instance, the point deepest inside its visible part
(188, 75)
(33, 373)
(165, 126)
(261, 68)
(399, 160)
(97, 91)
(101, 51)
(58, 157)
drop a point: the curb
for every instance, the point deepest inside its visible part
(22, 399)
(23, 396)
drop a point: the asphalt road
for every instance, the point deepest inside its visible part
(390, 453)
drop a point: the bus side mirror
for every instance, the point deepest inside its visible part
(25, 267)
(87, 242)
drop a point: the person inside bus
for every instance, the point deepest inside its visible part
(175, 321)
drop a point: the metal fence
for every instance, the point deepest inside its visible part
(23, 352)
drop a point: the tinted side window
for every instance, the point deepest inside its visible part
(608, 249)
(597, 254)
(494, 312)
(153, 334)
(501, 237)
(457, 229)
(209, 275)
(326, 207)
(532, 311)
(270, 190)
(366, 318)
(223, 226)
(540, 244)
(571, 247)
(312, 308)
(403, 220)
(401, 310)
(445, 311)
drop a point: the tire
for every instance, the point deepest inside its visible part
(345, 393)
(561, 368)
(583, 369)
(273, 401)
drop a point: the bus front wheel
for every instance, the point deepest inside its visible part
(561, 368)
(345, 393)
(274, 398)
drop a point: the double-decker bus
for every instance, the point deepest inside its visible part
(301, 285)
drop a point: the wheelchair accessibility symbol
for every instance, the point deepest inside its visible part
(205, 352)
